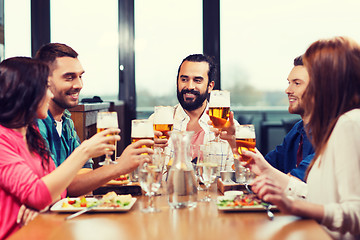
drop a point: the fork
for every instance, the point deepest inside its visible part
(248, 188)
(269, 212)
(267, 207)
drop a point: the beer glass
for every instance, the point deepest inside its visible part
(245, 140)
(104, 121)
(140, 129)
(164, 120)
(219, 108)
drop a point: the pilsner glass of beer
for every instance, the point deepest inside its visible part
(219, 107)
(164, 120)
(140, 129)
(104, 121)
(245, 140)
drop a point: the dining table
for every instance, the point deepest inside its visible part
(205, 221)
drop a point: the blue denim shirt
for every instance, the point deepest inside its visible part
(283, 157)
(60, 148)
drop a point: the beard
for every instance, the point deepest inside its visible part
(63, 104)
(192, 105)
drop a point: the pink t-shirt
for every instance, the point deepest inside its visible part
(196, 140)
(20, 180)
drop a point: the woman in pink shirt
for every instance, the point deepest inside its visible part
(27, 173)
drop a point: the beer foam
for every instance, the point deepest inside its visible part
(142, 129)
(219, 98)
(107, 120)
(164, 115)
(244, 132)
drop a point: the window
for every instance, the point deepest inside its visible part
(165, 33)
(17, 28)
(259, 41)
(91, 29)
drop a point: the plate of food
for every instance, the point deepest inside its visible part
(111, 202)
(121, 180)
(242, 203)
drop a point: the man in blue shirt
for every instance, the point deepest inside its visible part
(61, 145)
(296, 152)
(65, 82)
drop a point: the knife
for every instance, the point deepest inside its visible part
(83, 211)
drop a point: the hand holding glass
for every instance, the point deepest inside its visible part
(104, 121)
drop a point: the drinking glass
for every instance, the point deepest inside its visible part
(164, 120)
(150, 175)
(197, 153)
(245, 140)
(104, 121)
(219, 108)
(140, 129)
(207, 168)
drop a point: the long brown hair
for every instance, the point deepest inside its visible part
(23, 85)
(334, 87)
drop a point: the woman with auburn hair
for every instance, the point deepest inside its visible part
(27, 173)
(331, 195)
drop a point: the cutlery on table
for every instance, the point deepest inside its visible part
(83, 211)
(267, 207)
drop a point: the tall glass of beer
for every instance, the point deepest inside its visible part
(245, 140)
(219, 108)
(104, 121)
(164, 120)
(140, 129)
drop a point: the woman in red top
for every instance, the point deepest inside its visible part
(27, 173)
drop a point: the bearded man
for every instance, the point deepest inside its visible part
(195, 81)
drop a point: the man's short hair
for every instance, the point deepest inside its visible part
(201, 58)
(298, 61)
(49, 52)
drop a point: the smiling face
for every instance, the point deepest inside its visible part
(298, 81)
(192, 85)
(66, 82)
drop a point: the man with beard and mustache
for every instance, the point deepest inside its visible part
(195, 81)
(296, 152)
(65, 82)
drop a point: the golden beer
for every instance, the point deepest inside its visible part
(133, 140)
(111, 134)
(219, 116)
(142, 129)
(104, 121)
(165, 129)
(247, 144)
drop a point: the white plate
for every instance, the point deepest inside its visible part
(57, 207)
(256, 208)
